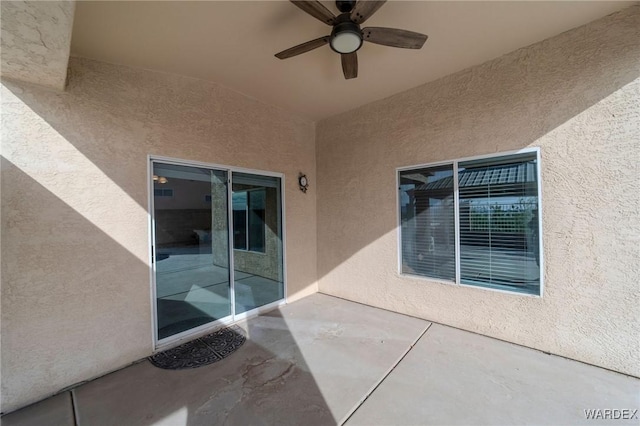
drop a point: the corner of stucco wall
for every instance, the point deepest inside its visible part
(576, 97)
(306, 223)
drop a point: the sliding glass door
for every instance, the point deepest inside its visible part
(217, 246)
(191, 247)
(257, 241)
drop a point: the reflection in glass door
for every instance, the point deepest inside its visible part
(216, 253)
(257, 241)
(190, 209)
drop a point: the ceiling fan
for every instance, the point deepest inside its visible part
(347, 36)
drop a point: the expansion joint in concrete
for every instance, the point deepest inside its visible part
(384, 377)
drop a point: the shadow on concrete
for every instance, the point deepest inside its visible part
(266, 381)
(263, 382)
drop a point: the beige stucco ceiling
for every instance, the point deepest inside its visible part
(233, 43)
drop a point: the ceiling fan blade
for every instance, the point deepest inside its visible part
(304, 47)
(350, 65)
(317, 10)
(364, 9)
(394, 37)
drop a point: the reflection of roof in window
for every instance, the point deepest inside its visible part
(503, 174)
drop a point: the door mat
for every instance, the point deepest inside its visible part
(203, 351)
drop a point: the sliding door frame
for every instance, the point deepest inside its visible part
(176, 339)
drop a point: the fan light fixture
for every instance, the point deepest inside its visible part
(346, 37)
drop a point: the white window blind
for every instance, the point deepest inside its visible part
(498, 202)
(495, 202)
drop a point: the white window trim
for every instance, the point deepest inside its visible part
(454, 164)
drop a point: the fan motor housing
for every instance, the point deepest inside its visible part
(344, 27)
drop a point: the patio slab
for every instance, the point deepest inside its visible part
(311, 362)
(324, 361)
(455, 377)
(57, 410)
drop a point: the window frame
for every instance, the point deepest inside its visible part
(163, 192)
(456, 194)
(246, 222)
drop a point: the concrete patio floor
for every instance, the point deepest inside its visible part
(324, 360)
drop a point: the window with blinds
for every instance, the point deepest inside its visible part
(498, 201)
(480, 227)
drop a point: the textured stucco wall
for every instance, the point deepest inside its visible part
(577, 97)
(75, 278)
(35, 42)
